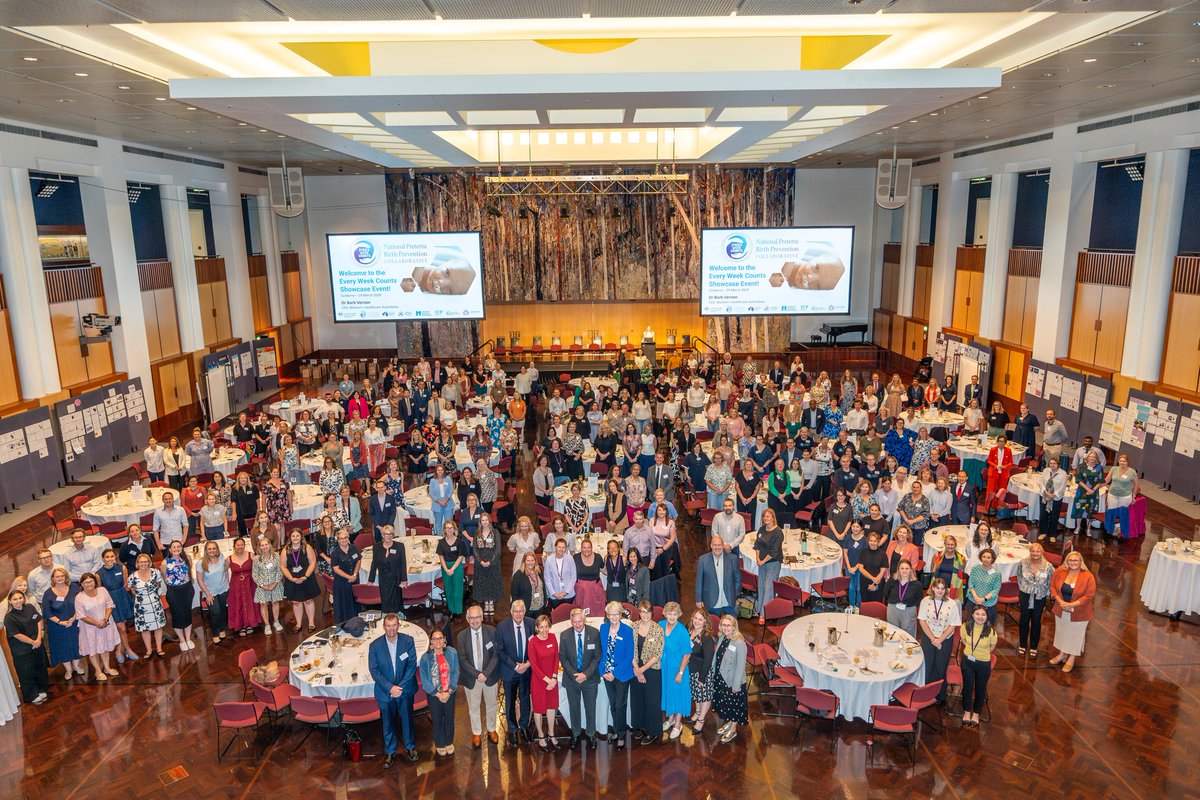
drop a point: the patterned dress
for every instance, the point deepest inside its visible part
(1086, 504)
(920, 456)
(899, 445)
(266, 573)
(488, 586)
(148, 613)
(278, 501)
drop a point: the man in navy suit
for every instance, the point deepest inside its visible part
(512, 650)
(973, 391)
(718, 579)
(392, 659)
(963, 501)
(813, 418)
(579, 655)
(382, 508)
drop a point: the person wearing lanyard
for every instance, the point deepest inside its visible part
(938, 616)
(902, 593)
(560, 575)
(768, 552)
(978, 641)
(439, 672)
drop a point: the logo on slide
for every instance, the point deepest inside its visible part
(364, 252)
(737, 246)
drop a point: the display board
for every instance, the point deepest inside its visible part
(137, 415)
(1050, 387)
(244, 382)
(965, 360)
(30, 457)
(1185, 466)
(1035, 389)
(1148, 431)
(217, 372)
(120, 439)
(266, 364)
(775, 271)
(942, 344)
(1096, 392)
(403, 276)
(82, 424)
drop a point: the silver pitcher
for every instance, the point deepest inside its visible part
(832, 636)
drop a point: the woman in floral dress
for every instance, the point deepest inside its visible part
(277, 498)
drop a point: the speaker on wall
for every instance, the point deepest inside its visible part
(500, 342)
(687, 340)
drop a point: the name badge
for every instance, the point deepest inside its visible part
(590, 647)
(616, 583)
(900, 606)
(970, 658)
(297, 570)
(487, 646)
(403, 656)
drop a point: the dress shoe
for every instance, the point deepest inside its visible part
(412, 756)
(391, 759)
(513, 740)
(476, 741)
(575, 741)
(493, 737)
(526, 736)
(621, 743)
(591, 742)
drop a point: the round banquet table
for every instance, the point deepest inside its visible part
(228, 459)
(1172, 581)
(422, 566)
(831, 668)
(974, 457)
(417, 501)
(98, 510)
(596, 382)
(462, 457)
(930, 419)
(315, 462)
(467, 426)
(1010, 550)
(824, 559)
(564, 708)
(291, 411)
(479, 403)
(1028, 487)
(351, 676)
(307, 501)
(595, 501)
(63, 546)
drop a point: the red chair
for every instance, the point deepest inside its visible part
(1009, 597)
(749, 581)
(598, 468)
(1013, 503)
(707, 515)
(78, 501)
(833, 589)
(874, 609)
(656, 613)
(788, 592)
(543, 513)
(358, 711)
(364, 542)
(561, 613)
(632, 609)
(115, 531)
(277, 699)
(782, 682)
(417, 593)
(814, 705)
(897, 721)
(58, 528)
(314, 712)
(775, 609)
(366, 594)
(805, 515)
(237, 717)
(920, 698)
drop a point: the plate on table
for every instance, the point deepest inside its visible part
(898, 666)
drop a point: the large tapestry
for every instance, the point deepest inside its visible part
(592, 248)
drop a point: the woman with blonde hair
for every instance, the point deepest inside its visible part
(728, 673)
(1073, 588)
(268, 584)
(700, 665)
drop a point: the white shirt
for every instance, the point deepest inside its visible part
(730, 527)
(722, 599)
(940, 615)
(391, 646)
(477, 648)
(557, 405)
(857, 420)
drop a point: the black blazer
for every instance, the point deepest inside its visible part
(385, 515)
(391, 569)
(521, 589)
(591, 655)
(814, 418)
(973, 391)
(467, 673)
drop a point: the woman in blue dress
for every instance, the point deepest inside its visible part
(114, 578)
(833, 421)
(676, 680)
(344, 561)
(899, 443)
(62, 628)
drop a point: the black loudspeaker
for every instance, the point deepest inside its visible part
(500, 342)
(687, 340)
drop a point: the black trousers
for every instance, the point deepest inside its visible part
(975, 681)
(442, 716)
(645, 699)
(936, 661)
(1048, 522)
(218, 612)
(1030, 624)
(32, 673)
(516, 700)
(618, 703)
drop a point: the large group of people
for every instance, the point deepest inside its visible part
(848, 459)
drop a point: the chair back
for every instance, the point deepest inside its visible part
(561, 613)
(874, 609)
(417, 592)
(366, 593)
(816, 702)
(358, 710)
(749, 580)
(314, 710)
(246, 661)
(925, 696)
(788, 592)
(1009, 592)
(364, 541)
(893, 717)
(778, 608)
(237, 714)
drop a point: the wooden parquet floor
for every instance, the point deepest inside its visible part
(1122, 725)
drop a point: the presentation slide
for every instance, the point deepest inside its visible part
(775, 271)
(388, 276)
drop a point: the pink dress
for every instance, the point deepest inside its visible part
(243, 613)
(92, 640)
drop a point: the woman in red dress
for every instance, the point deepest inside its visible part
(243, 612)
(543, 664)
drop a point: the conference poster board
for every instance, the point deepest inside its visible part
(1096, 393)
(1185, 466)
(1057, 388)
(381, 277)
(266, 363)
(795, 271)
(1148, 432)
(137, 415)
(967, 360)
(82, 428)
(943, 344)
(245, 383)
(118, 419)
(217, 376)
(30, 457)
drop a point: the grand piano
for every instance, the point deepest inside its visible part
(832, 332)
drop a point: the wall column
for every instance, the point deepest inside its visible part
(271, 248)
(178, 229)
(908, 249)
(951, 224)
(28, 306)
(231, 244)
(1159, 221)
(1001, 209)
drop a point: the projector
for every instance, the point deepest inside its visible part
(103, 323)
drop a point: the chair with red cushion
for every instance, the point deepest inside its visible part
(805, 515)
(794, 593)
(776, 608)
(814, 705)
(910, 695)
(1009, 597)
(115, 531)
(598, 468)
(358, 711)
(417, 593)
(237, 717)
(696, 501)
(78, 501)
(833, 589)
(896, 721)
(874, 609)
(277, 698)
(314, 712)
(707, 515)
(561, 613)
(364, 541)
(366, 594)
(782, 681)
(749, 581)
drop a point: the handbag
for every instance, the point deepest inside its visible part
(266, 674)
(352, 745)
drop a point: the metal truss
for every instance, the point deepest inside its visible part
(586, 185)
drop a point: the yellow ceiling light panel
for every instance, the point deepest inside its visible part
(835, 52)
(341, 59)
(584, 46)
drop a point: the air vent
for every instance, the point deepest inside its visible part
(40, 134)
(927, 161)
(1129, 119)
(141, 151)
(1041, 137)
(252, 171)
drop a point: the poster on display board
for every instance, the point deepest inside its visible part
(1154, 421)
(1185, 469)
(1071, 390)
(1035, 379)
(1111, 428)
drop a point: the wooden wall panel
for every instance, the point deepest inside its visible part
(10, 379)
(899, 327)
(889, 296)
(922, 289)
(73, 292)
(1008, 374)
(914, 340)
(1020, 310)
(260, 294)
(881, 328)
(1181, 350)
(611, 320)
(1114, 315)
(293, 298)
(1101, 308)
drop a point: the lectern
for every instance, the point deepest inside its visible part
(648, 345)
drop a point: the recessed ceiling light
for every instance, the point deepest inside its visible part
(895, 127)
(81, 74)
(985, 120)
(262, 130)
(933, 113)
(1195, 61)
(189, 131)
(879, 133)
(279, 136)
(65, 100)
(241, 123)
(1089, 61)
(126, 88)
(1047, 74)
(1137, 44)
(191, 108)
(1106, 86)
(983, 97)
(160, 98)
(30, 58)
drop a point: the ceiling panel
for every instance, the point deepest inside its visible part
(198, 10)
(508, 9)
(57, 12)
(356, 10)
(660, 8)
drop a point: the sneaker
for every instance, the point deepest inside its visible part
(267, 630)
(278, 627)
(41, 698)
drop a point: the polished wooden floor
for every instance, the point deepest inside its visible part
(1122, 725)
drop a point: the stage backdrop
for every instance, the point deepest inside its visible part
(598, 250)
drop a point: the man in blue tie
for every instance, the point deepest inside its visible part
(512, 639)
(579, 655)
(392, 659)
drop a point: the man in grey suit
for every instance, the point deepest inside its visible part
(717, 579)
(579, 654)
(659, 477)
(478, 672)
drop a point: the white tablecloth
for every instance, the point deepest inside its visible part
(929, 421)
(291, 412)
(418, 502)
(350, 671)
(1008, 554)
(98, 510)
(1172, 581)
(467, 426)
(596, 383)
(315, 462)
(477, 403)
(564, 708)
(307, 501)
(1027, 488)
(63, 546)
(422, 566)
(860, 691)
(595, 501)
(969, 448)
(228, 459)
(824, 559)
